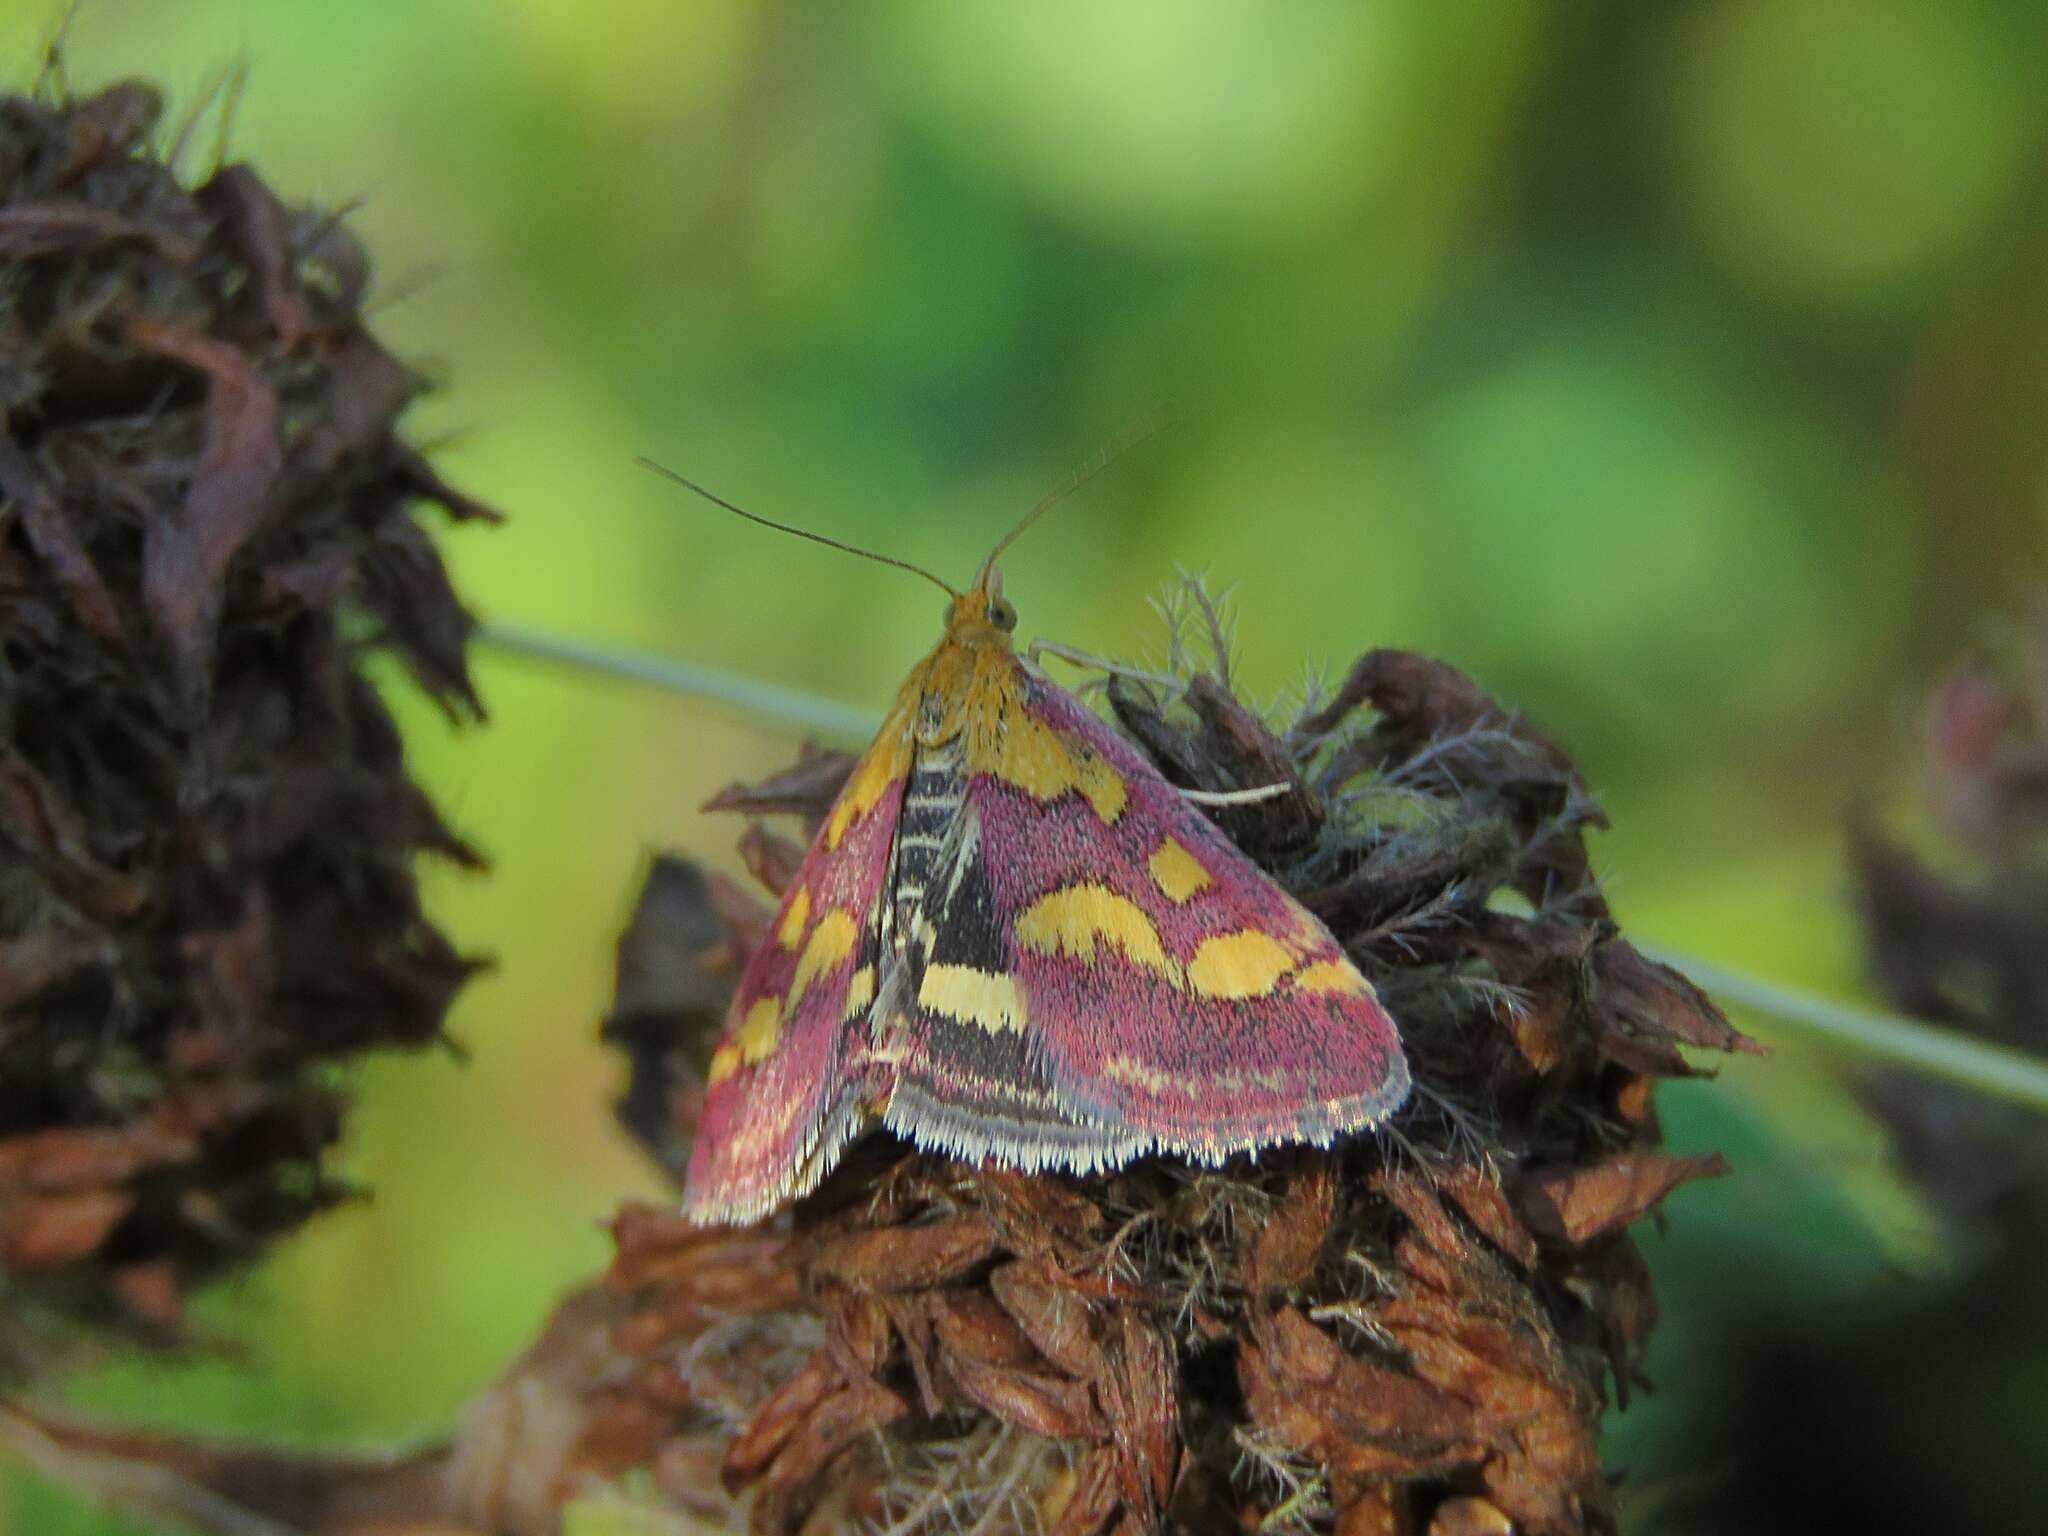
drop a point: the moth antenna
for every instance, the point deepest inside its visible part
(1144, 428)
(803, 533)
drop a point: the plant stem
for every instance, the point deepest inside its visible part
(1988, 1068)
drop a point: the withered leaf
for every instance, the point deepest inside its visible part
(55, 543)
(745, 915)
(808, 789)
(856, 1332)
(1356, 1417)
(105, 126)
(1139, 1398)
(771, 858)
(52, 837)
(1411, 1193)
(1181, 759)
(1285, 1251)
(1054, 1315)
(1043, 1402)
(421, 479)
(368, 386)
(1468, 852)
(911, 1317)
(906, 1258)
(1485, 1204)
(1575, 1205)
(675, 969)
(656, 1246)
(776, 1423)
(150, 1293)
(185, 557)
(1251, 757)
(1649, 996)
(316, 583)
(42, 229)
(828, 1429)
(1039, 1218)
(995, 1367)
(974, 1325)
(260, 230)
(672, 957)
(405, 585)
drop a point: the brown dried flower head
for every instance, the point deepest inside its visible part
(206, 827)
(1417, 1331)
(1954, 930)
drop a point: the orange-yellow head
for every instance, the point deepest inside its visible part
(982, 613)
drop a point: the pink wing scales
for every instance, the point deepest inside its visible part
(1139, 1048)
(781, 1105)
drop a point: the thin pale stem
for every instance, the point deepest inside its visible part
(1994, 1070)
(1080, 658)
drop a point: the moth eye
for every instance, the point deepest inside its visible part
(1002, 615)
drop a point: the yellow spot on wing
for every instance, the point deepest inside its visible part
(961, 992)
(1044, 762)
(1242, 964)
(977, 690)
(830, 943)
(724, 1062)
(1177, 872)
(1332, 976)
(759, 1030)
(860, 991)
(1073, 917)
(794, 916)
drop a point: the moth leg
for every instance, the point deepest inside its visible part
(1235, 796)
(1173, 686)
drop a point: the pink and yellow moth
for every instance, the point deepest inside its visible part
(1013, 941)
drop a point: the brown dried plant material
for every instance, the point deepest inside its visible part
(1959, 934)
(206, 827)
(1841, 1415)
(504, 1472)
(1412, 1332)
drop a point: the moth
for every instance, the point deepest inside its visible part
(1012, 940)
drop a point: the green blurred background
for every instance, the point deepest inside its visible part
(1677, 369)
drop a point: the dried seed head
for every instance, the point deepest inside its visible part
(206, 827)
(1415, 1331)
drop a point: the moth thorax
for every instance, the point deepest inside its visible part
(936, 720)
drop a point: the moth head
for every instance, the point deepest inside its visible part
(983, 605)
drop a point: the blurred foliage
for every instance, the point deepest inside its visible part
(1676, 369)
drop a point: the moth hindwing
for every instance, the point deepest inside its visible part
(1012, 940)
